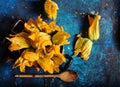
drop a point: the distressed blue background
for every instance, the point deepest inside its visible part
(103, 67)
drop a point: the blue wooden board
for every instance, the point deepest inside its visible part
(103, 67)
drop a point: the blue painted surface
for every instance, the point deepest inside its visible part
(103, 67)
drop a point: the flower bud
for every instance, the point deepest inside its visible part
(94, 31)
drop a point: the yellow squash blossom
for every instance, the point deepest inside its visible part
(83, 47)
(94, 29)
(51, 9)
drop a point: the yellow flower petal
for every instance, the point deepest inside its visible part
(18, 43)
(31, 26)
(60, 38)
(30, 55)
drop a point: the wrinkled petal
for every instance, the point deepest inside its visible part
(30, 55)
(86, 49)
(18, 43)
(46, 64)
(47, 27)
(60, 38)
(78, 45)
(30, 26)
(42, 25)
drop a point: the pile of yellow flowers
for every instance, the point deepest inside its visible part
(41, 42)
